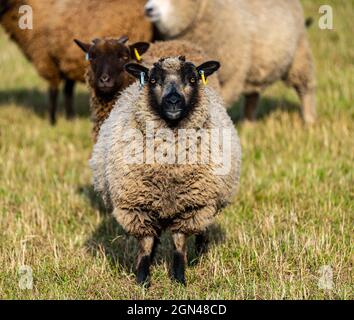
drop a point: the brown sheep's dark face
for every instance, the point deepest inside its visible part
(173, 86)
(107, 58)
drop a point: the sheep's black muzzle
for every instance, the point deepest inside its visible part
(173, 106)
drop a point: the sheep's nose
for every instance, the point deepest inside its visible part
(105, 78)
(149, 10)
(174, 99)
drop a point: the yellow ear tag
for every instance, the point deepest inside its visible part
(137, 55)
(205, 81)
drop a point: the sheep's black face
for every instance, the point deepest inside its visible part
(173, 90)
(173, 85)
(107, 59)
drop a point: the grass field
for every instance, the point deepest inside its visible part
(293, 214)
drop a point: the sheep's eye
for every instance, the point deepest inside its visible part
(192, 80)
(152, 81)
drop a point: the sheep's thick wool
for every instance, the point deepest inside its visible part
(147, 198)
(100, 108)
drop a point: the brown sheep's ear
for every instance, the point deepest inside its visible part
(84, 46)
(140, 47)
(208, 68)
(137, 70)
(123, 39)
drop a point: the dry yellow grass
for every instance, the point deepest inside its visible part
(292, 216)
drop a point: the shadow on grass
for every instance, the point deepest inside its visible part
(265, 108)
(37, 101)
(120, 249)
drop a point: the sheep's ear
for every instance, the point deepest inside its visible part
(182, 58)
(209, 68)
(140, 47)
(84, 46)
(123, 39)
(136, 70)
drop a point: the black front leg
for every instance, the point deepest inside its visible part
(146, 246)
(179, 257)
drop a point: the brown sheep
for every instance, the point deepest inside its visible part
(105, 74)
(49, 46)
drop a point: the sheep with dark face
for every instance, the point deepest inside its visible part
(171, 182)
(105, 74)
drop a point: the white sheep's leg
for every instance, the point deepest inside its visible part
(179, 257)
(308, 100)
(251, 103)
(69, 98)
(146, 247)
(302, 78)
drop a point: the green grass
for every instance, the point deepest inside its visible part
(292, 216)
